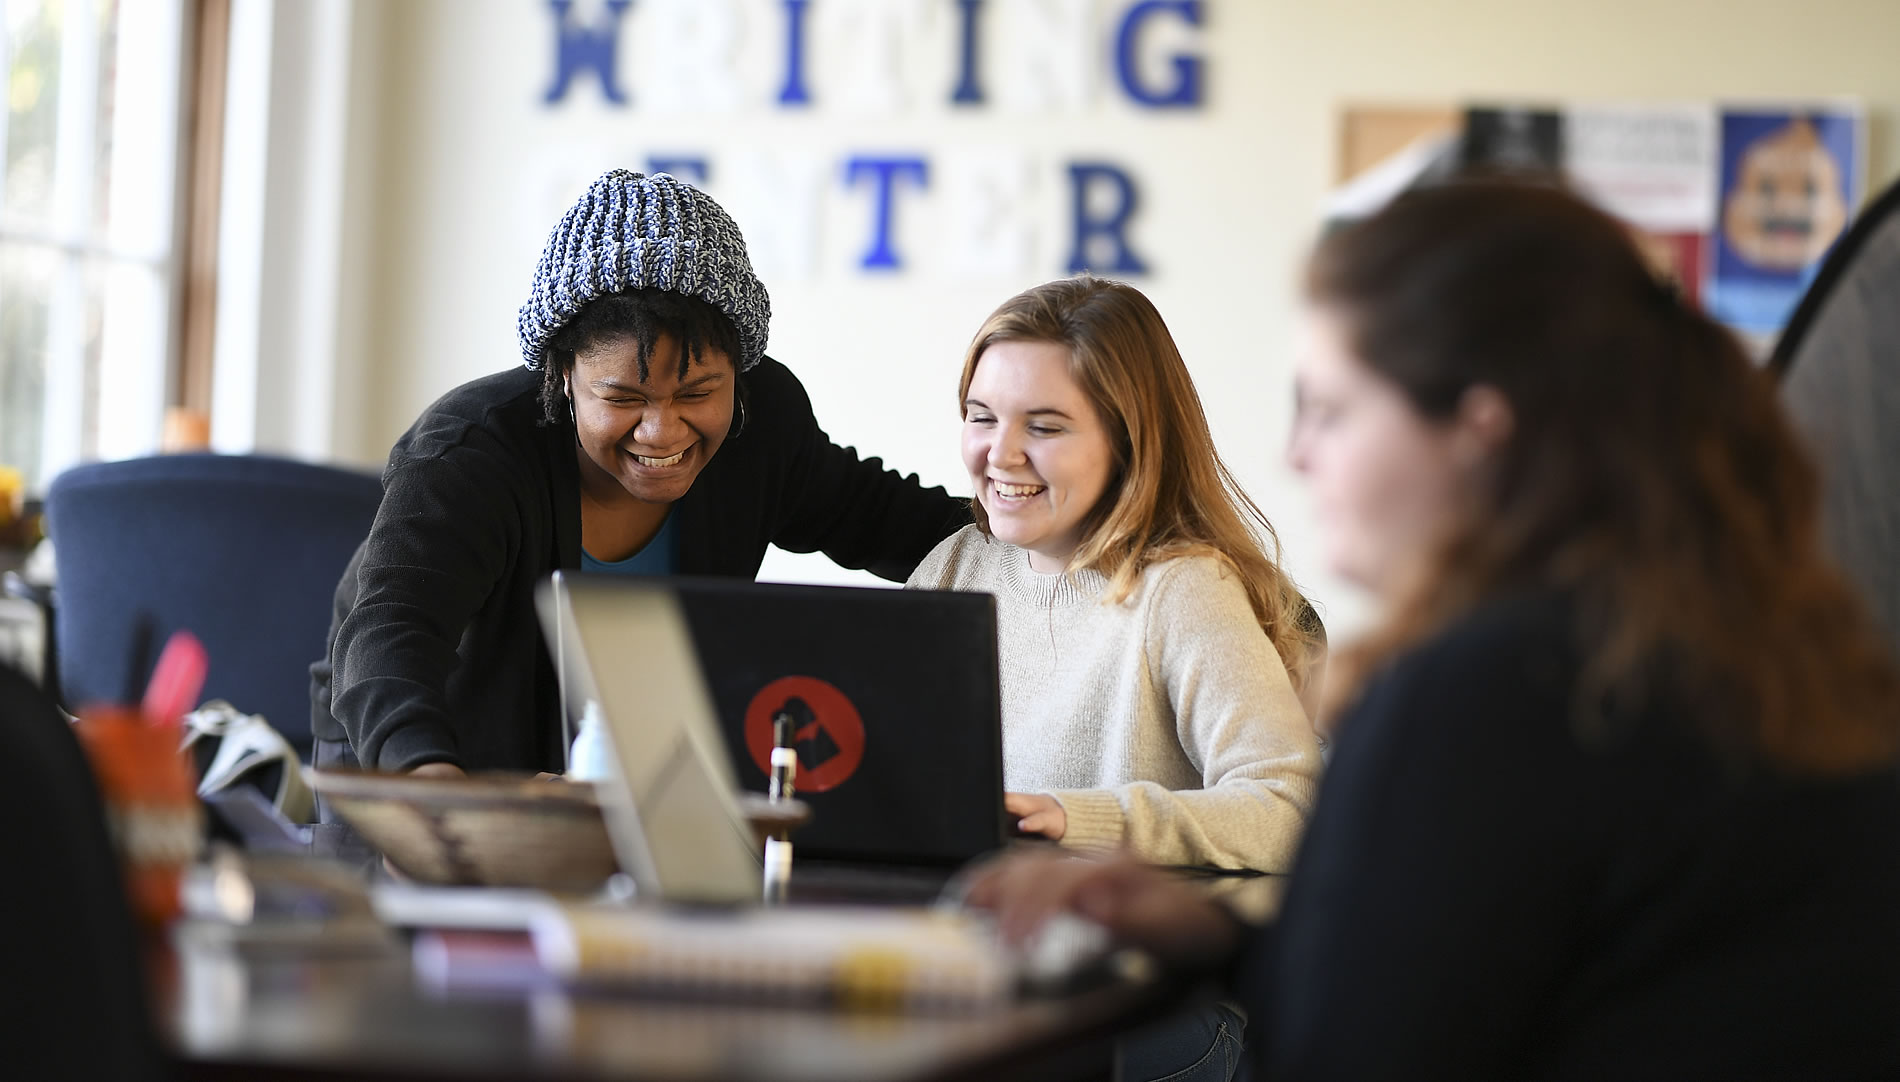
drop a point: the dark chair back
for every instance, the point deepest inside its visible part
(1839, 363)
(243, 551)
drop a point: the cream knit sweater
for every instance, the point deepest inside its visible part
(1165, 723)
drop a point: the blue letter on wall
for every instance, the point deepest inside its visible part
(1108, 230)
(884, 172)
(580, 47)
(691, 170)
(969, 91)
(794, 92)
(1186, 90)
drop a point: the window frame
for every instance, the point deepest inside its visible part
(113, 345)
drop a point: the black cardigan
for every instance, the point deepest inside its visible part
(435, 651)
(1481, 894)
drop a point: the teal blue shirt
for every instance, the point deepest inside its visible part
(659, 556)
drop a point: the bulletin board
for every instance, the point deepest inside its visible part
(1738, 203)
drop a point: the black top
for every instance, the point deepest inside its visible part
(435, 651)
(1484, 894)
(74, 1003)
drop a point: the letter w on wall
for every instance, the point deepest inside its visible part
(578, 48)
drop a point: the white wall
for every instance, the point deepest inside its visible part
(298, 206)
(467, 170)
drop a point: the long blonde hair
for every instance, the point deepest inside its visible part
(1169, 493)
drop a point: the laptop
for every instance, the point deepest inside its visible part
(895, 698)
(894, 695)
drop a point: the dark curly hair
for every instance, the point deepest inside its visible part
(639, 316)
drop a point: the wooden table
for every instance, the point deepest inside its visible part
(249, 1014)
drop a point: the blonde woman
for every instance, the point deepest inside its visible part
(1151, 651)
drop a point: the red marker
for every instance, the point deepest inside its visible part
(177, 680)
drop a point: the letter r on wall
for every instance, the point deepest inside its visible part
(1101, 225)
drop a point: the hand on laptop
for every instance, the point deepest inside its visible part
(1037, 813)
(1139, 905)
(438, 770)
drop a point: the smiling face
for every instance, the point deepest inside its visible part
(649, 436)
(1038, 455)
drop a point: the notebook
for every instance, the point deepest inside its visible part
(881, 958)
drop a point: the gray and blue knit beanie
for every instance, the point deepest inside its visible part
(644, 232)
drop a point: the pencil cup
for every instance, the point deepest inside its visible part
(152, 805)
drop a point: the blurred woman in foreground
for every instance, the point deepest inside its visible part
(1614, 793)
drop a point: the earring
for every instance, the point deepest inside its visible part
(740, 427)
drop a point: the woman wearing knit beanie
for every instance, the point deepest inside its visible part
(646, 433)
(1151, 652)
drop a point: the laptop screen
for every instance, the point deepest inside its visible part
(895, 699)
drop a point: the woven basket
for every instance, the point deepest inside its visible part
(495, 830)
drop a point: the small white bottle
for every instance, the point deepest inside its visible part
(589, 759)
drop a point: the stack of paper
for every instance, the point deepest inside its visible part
(886, 958)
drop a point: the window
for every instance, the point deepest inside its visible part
(91, 136)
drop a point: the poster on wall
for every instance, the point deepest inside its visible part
(1790, 179)
(1385, 149)
(1737, 205)
(1653, 166)
(1512, 140)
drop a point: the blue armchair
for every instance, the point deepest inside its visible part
(243, 551)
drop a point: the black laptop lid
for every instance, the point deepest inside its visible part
(896, 697)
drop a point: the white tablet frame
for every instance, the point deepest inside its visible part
(671, 807)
